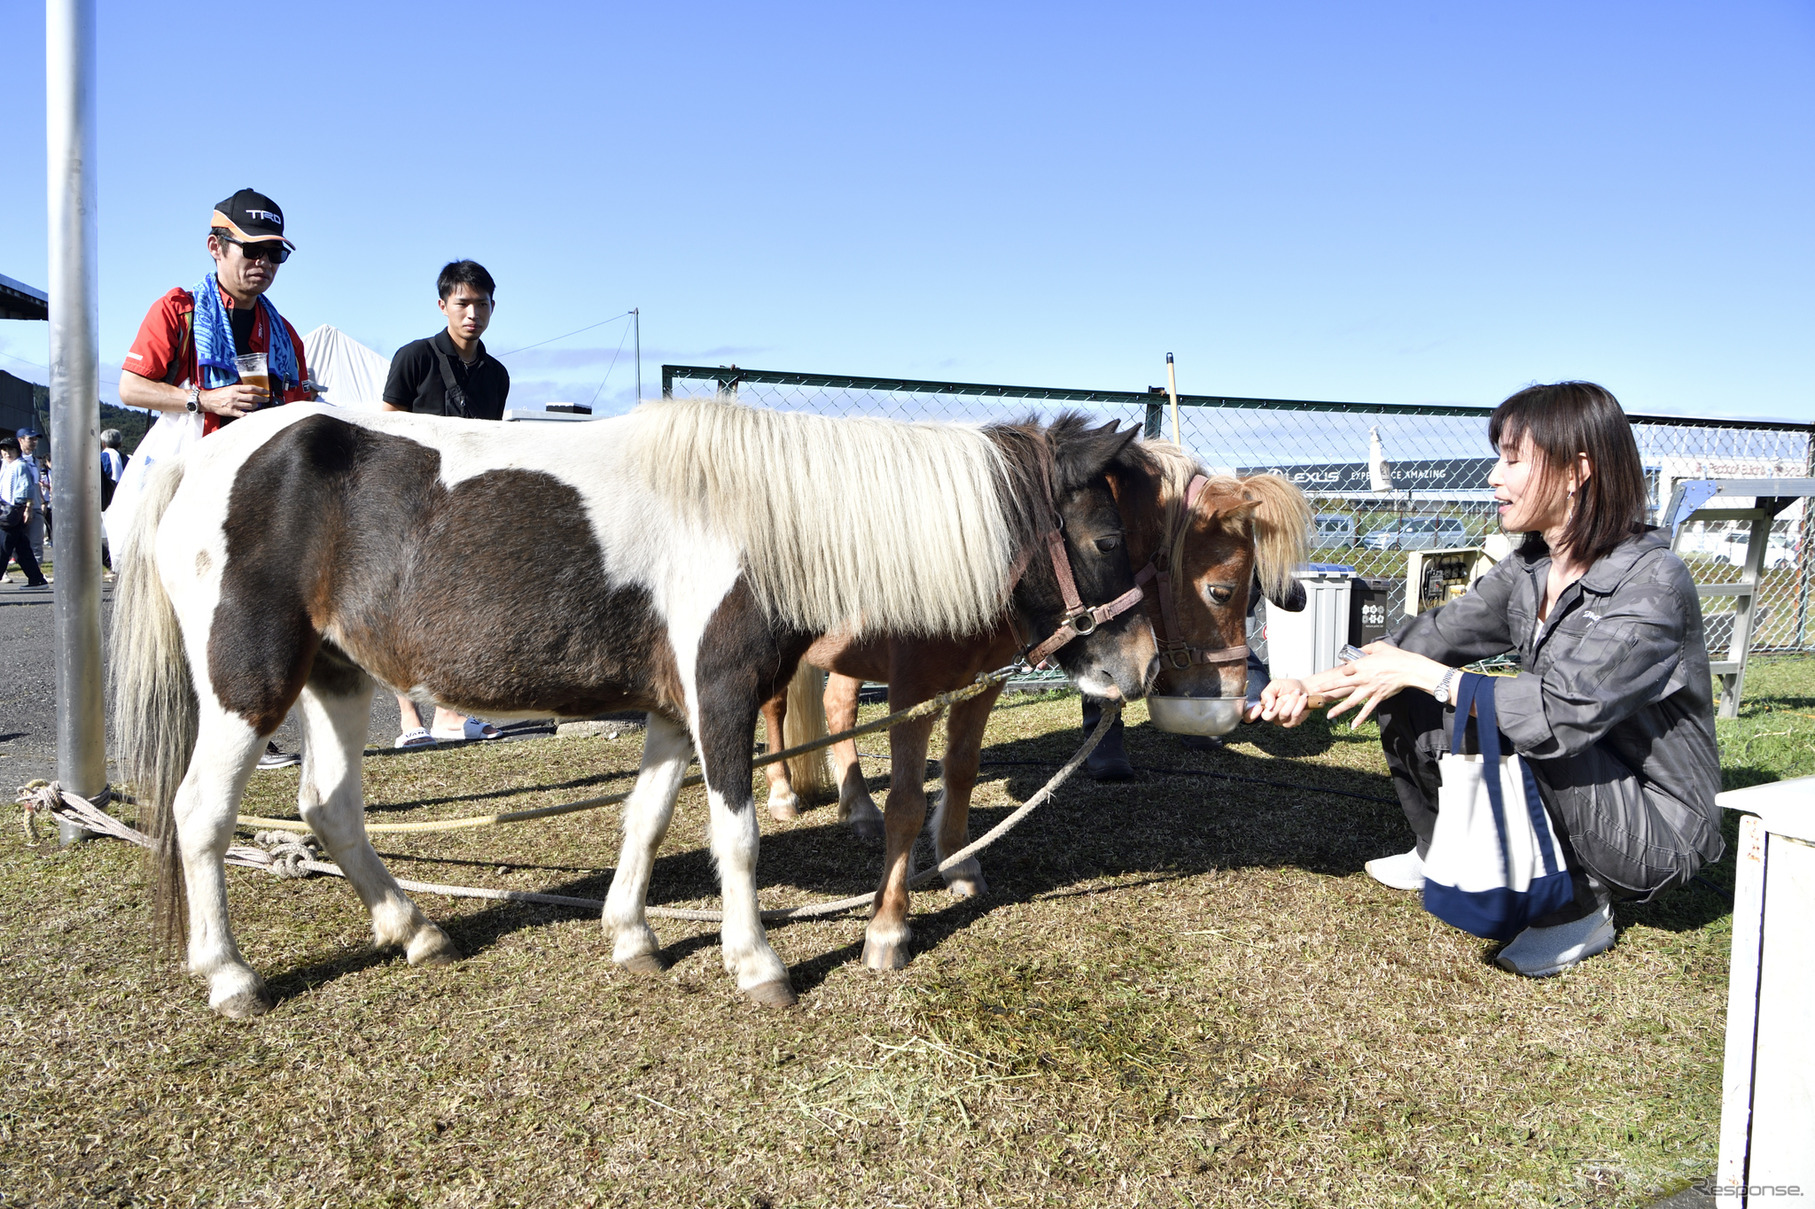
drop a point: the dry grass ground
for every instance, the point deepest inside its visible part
(1182, 991)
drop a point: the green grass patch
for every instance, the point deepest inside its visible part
(1178, 991)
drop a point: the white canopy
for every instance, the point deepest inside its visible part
(350, 374)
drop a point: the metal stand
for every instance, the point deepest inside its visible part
(1770, 497)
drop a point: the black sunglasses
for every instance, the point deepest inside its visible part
(271, 250)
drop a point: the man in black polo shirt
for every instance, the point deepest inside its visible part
(449, 374)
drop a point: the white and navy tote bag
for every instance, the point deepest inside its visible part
(1494, 863)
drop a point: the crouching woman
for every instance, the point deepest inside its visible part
(1613, 703)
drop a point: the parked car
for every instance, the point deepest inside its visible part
(1779, 553)
(1332, 529)
(1417, 533)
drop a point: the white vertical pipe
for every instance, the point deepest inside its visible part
(75, 394)
(1172, 393)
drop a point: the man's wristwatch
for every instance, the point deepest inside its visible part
(1442, 691)
(195, 398)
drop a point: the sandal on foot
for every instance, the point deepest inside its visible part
(472, 728)
(416, 736)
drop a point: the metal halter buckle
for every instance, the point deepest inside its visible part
(1083, 623)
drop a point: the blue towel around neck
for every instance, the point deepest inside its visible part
(214, 350)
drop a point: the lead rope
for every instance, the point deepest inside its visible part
(283, 854)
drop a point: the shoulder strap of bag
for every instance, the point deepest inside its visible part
(178, 369)
(454, 396)
(1476, 694)
(1487, 726)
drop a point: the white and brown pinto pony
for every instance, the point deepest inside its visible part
(1200, 541)
(679, 559)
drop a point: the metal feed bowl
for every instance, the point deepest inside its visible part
(1195, 715)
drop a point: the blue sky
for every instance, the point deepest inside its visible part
(1392, 202)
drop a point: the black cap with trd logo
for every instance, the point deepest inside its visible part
(251, 217)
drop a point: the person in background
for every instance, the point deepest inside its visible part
(183, 357)
(1613, 706)
(113, 465)
(18, 501)
(37, 530)
(450, 374)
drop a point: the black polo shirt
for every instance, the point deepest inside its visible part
(414, 383)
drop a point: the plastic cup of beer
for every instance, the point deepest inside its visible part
(252, 372)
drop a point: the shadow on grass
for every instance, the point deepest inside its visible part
(503, 791)
(1224, 808)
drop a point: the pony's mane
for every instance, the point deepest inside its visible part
(1282, 531)
(1282, 516)
(846, 523)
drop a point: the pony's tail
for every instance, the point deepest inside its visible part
(1282, 531)
(155, 707)
(810, 775)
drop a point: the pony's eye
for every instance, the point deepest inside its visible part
(1106, 544)
(1218, 594)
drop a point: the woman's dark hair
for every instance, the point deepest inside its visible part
(1566, 419)
(10, 445)
(465, 272)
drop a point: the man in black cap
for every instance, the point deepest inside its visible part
(184, 357)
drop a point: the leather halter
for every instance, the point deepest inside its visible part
(1174, 650)
(1078, 619)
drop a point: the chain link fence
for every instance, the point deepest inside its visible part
(1384, 480)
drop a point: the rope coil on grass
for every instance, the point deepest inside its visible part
(283, 855)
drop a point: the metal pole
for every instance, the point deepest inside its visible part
(1805, 555)
(1172, 392)
(75, 396)
(637, 317)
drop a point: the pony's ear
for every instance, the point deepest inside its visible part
(1080, 456)
(1236, 510)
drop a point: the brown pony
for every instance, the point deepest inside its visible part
(1212, 537)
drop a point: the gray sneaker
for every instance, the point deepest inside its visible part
(1541, 952)
(276, 757)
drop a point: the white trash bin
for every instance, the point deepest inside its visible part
(1304, 643)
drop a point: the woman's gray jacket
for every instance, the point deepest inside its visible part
(1613, 704)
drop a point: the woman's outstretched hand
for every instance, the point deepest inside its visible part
(1285, 702)
(1380, 674)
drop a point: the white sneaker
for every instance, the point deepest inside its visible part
(1541, 952)
(1402, 872)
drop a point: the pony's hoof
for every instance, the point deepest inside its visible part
(254, 1001)
(644, 963)
(885, 955)
(967, 885)
(783, 809)
(433, 949)
(866, 822)
(778, 994)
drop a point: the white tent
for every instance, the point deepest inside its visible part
(349, 373)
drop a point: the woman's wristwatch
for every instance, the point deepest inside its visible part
(1442, 691)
